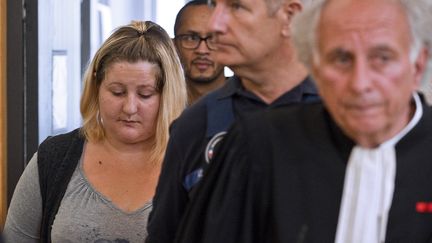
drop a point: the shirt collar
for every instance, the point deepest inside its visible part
(234, 86)
(305, 89)
(231, 86)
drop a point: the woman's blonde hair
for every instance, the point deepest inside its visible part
(138, 41)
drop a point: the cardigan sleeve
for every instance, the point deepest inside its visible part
(25, 210)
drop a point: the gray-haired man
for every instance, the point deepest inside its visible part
(355, 169)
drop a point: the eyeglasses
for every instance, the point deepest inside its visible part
(192, 41)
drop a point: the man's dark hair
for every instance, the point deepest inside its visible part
(179, 17)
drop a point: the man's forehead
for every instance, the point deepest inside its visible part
(354, 9)
(373, 7)
(367, 25)
(195, 17)
(192, 11)
(363, 17)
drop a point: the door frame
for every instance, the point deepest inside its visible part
(22, 87)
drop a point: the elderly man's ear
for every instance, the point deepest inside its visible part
(287, 11)
(420, 65)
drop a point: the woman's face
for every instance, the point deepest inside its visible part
(129, 102)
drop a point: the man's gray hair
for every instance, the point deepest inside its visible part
(305, 28)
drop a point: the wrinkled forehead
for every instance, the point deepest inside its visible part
(364, 14)
(363, 20)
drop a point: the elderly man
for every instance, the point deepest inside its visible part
(254, 40)
(355, 169)
(195, 46)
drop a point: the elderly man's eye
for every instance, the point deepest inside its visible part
(343, 60)
(382, 58)
(340, 58)
(236, 5)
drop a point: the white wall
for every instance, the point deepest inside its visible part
(163, 12)
(166, 11)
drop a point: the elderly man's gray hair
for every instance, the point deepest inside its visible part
(305, 27)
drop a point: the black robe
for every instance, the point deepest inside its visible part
(278, 177)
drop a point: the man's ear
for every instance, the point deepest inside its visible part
(420, 65)
(289, 9)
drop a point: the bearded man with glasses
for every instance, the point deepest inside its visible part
(196, 49)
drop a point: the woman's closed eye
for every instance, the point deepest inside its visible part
(118, 93)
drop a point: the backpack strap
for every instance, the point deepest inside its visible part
(220, 113)
(220, 116)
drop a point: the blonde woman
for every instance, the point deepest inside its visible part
(96, 184)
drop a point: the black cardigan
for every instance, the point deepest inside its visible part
(58, 157)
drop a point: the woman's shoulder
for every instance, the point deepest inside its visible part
(62, 138)
(55, 150)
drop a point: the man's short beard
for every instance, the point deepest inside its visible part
(205, 80)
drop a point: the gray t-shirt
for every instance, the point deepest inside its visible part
(84, 215)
